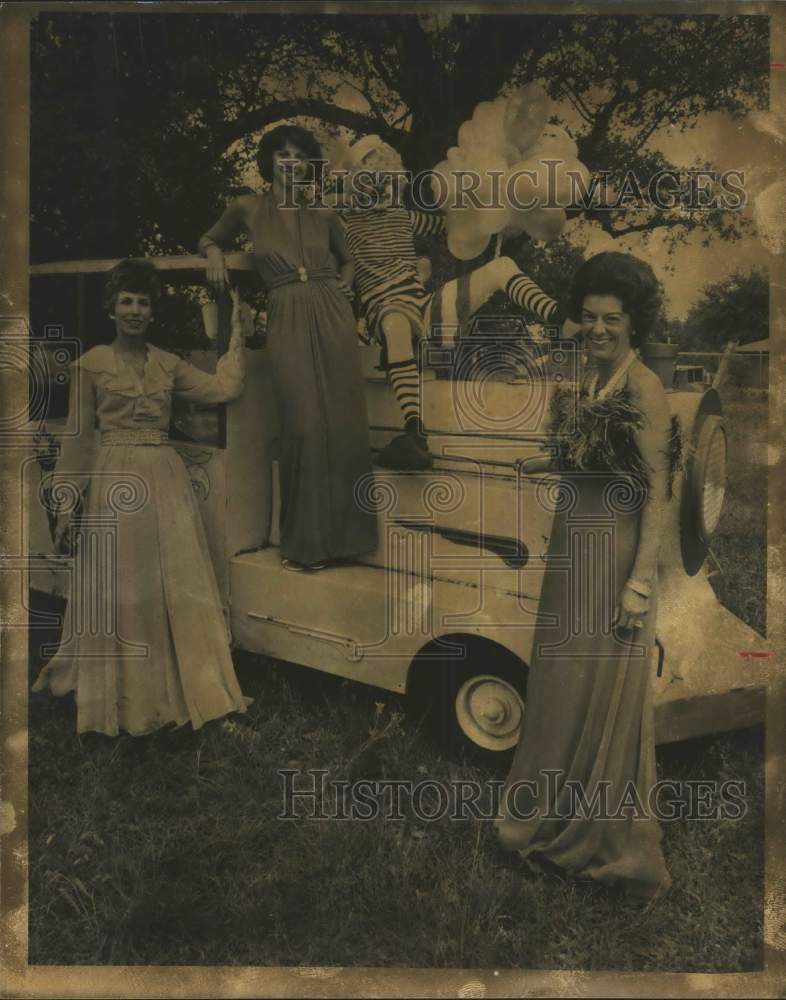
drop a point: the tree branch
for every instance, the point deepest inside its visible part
(573, 96)
(382, 68)
(704, 47)
(655, 125)
(254, 120)
(368, 91)
(657, 222)
(406, 113)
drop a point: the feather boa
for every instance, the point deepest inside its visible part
(599, 435)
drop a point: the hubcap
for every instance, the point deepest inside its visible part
(489, 711)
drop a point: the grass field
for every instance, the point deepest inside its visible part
(168, 849)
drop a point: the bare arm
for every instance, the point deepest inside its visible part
(212, 243)
(652, 441)
(193, 384)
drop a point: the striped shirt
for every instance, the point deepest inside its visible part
(382, 244)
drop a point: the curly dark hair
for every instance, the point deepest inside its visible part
(627, 277)
(277, 138)
(132, 275)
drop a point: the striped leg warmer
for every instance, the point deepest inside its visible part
(527, 295)
(405, 379)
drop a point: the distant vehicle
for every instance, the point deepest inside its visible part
(691, 377)
(444, 610)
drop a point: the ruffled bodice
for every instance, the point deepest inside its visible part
(108, 395)
(125, 401)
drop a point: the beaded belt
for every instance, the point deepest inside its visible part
(301, 274)
(137, 436)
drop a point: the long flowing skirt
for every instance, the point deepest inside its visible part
(587, 748)
(145, 641)
(324, 447)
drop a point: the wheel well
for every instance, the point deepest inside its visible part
(436, 660)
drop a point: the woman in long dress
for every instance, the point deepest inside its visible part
(580, 790)
(324, 447)
(145, 642)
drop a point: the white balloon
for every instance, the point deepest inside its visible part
(466, 135)
(567, 181)
(467, 248)
(457, 157)
(442, 190)
(510, 152)
(526, 185)
(493, 220)
(541, 183)
(514, 227)
(462, 222)
(488, 121)
(525, 115)
(555, 143)
(486, 182)
(485, 132)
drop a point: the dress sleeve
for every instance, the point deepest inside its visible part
(230, 225)
(196, 386)
(427, 223)
(78, 444)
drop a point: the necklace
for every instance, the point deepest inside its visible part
(614, 380)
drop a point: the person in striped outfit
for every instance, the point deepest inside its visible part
(398, 309)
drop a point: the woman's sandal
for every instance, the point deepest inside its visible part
(297, 567)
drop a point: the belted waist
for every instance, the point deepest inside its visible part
(301, 274)
(137, 436)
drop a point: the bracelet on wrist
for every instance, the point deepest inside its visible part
(638, 587)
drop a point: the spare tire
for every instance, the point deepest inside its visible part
(704, 491)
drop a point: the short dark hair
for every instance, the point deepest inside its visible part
(132, 275)
(627, 277)
(277, 138)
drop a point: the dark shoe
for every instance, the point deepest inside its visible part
(299, 567)
(405, 453)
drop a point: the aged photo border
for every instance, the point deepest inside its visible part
(20, 979)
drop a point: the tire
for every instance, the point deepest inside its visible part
(474, 708)
(704, 492)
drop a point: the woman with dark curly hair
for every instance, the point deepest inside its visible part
(579, 791)
(324, 446)
(148, 644)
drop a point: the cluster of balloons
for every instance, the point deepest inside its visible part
(515, 162)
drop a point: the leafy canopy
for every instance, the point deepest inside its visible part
(143, 122)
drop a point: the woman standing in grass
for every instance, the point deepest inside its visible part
(578, 791)
(324, 447)
(148, 643)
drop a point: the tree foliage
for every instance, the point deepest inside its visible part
(142, 122)
(736, 308)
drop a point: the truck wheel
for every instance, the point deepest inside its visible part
(475, 708)
(489, 710)
(705, 487)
